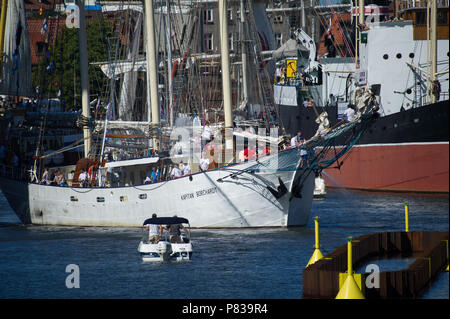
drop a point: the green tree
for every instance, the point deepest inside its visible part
(65, 75)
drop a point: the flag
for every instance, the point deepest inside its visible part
(44, 27)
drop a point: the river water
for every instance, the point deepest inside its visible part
(252, 263)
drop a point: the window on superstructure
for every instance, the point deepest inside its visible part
(209, 42)
(229, 15)
(208, 16)
(278, 19)
(441, 18)
(230, 42)
(41, 48)
(421, 18)
(279, 39)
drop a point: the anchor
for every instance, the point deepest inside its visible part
(281, 189)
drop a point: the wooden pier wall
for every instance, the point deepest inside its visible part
(321, 280)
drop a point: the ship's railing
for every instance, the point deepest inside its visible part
(411, 4)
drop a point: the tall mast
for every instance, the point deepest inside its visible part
(2, 29)
(82, 44)
(433, 50)
(243, 54)
(169, 60)
(361, 12)
(151, 63)
(226, 82)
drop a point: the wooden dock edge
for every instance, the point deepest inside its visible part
(429, 248)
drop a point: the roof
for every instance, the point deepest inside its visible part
(132, 162)
(166, 221)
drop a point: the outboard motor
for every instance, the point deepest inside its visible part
(163, 247)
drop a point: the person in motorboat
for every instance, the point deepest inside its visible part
(154, 231)
(177, 248)
(175, 231)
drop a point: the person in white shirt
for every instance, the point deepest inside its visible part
(176, 172)
(206, 135)
(83, 178)
(187, 169)
(349, 113)
(295, 141)
(303, 153)
(204, 163)
(154, 231)
(278, 75)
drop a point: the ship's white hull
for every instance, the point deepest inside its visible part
(242, 201)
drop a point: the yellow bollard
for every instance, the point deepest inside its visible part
(2, 29)
(317, 255)
(350, 289)
(446, 244)
(406, 217)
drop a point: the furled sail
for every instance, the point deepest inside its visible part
(16, 59)
(128, 91)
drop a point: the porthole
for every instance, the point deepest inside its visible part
(416, 120)
(399, 55)
(143, 196)
(385, 56)
(411, 55)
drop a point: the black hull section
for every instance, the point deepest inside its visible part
(425, 124)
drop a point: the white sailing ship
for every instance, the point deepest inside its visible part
(269, 191)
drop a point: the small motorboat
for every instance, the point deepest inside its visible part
(165, 249)
(319, 189)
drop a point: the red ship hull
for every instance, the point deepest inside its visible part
(405, 167)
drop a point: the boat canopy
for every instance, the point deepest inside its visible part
(166, 221)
